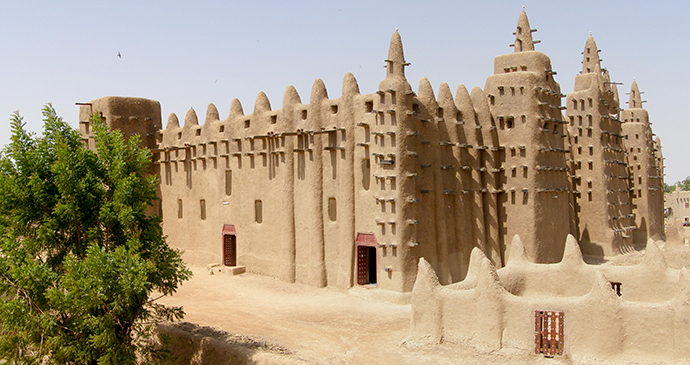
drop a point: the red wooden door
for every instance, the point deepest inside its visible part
(229, 250)
(362, 263)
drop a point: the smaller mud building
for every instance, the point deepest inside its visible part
(355, 190)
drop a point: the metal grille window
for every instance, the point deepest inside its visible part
(548, 333)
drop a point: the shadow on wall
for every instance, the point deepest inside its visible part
(193, 344)
(641, 234)
(590, 248)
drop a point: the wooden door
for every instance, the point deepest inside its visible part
(362, 265)
(229, 250)
(548, 333)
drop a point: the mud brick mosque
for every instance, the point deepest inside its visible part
(355, 190)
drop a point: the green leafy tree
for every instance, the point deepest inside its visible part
(669, 188)
(81, 263)
(685, 184)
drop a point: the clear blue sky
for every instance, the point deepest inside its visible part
(192, 53)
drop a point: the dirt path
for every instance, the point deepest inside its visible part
(320, 325)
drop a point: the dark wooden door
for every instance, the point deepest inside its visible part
(362, 265)
(229, 250)
(548, 333)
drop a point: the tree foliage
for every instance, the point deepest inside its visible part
(669, 188)
(683, 184)
(80, 260)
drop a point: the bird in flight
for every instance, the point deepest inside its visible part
(119, 55)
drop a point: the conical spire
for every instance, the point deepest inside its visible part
(173, 122)
(635, 98)
(425, 93)
(445, 97)
(261, 104)
(236, 108)
(211, 113)
(590, 59)
(396, 59)
(523, 35)
(350, 86)
(318, 91)
(190, 118)
(291, 97)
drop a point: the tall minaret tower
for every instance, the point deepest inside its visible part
(392, 201)
(602, 200)
(530, 174)
(645, 174)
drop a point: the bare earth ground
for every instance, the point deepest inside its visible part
(331, 326)
(322, 326)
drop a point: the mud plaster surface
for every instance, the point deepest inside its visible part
(324, 326)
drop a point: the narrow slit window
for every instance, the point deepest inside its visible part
(332, 209)
(258, 211)
(202, 209)
(179, 208)
(228, 182)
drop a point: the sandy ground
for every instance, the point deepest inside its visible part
(322, 326)
(331, 326)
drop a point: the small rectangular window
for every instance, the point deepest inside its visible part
(304, 114)
(228, 182)
(179, 208)
(369, 106)
(274, 119)
(332, 209)
(258, 211)
(334, 109)
(202, 209)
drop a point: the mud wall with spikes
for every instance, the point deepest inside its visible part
(419, 175)
(493, 309)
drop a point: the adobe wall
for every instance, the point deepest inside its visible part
(677, 205)
(128, 114)
(598, 324)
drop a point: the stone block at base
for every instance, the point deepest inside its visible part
(230, 270)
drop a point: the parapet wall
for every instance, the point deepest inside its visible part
(494, 309)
